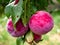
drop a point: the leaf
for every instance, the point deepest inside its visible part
(14, 11)
(17, 11)
(29, 9)
(20, 41)
(9, 9)
(24, 18)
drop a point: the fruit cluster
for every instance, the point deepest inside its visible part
(40, 23)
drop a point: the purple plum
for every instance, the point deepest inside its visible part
(19, 29)
(37, 37)
(16, 1)
(41, 22)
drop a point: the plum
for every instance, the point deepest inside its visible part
(16, 1)
(19, 29)
(37, 38)
(41, 22)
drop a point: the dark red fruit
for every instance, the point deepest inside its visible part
(41, 22)
(16, 1)
(37, 37)
(20, 28)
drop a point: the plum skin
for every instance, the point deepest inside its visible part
(16, 2)
(19, 30)
(37, 38)
(41, 22)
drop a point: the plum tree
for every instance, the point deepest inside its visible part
(19, 13)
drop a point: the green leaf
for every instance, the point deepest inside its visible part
(29, 9)
(20, 41)
(24, 18)
(17, 11)
(14, 11)
(9, 9)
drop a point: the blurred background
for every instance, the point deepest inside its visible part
(51, 38)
